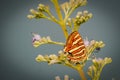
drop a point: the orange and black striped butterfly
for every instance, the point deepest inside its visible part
(75, 47)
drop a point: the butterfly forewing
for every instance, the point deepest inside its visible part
(75, 47)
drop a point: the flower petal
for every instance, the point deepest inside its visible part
(36, 43)
(40, 58)
(36, 37)
(86, 42)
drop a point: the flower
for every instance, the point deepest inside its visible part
(43, 8)
(94, 70)
(66, 77)
(40, 58)
(72, 4)
(82, 17)
(62, 55)
(30, 16)
(54, 61)
(93, 46)
(101, 44)
(48, 39)
(57, 78)
(36, 37)
(37, 40)
(33, 11)
(86, 42)
(53, 57)
(36, 14)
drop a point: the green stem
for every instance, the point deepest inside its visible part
(98, 73)
(81, 72)
(57, 7)
(75, 28)
(70, 65)
(61, 22)
(58, 43)
(67, 16)
(78, 68)
(52, 18)
(82, 75)
(64, 29)
(91, 50)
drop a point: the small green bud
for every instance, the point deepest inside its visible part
(79, 13)
(40, 58)
(30, 16)
(33, 11)
(90, 15)
(41, 7)
(57, 78)
(77, 16)
(85, 12)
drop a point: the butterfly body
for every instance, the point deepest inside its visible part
(75, 47)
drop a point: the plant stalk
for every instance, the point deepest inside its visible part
(57, 7)
(64, 29)
(81, 72)
(61, 21)
(57, 43)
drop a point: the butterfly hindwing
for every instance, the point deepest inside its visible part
(75, 46)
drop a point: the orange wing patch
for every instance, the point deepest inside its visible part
(75, 47)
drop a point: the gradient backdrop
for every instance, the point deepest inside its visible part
(17, 55)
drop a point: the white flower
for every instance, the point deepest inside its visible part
(101, 44)
(60, 52)
(57, 78)
(92, 42)
(40, 58)
(66, 77)
(48, 39)
(53, 57)
(53, 61)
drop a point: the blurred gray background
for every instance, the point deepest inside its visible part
(17, 55)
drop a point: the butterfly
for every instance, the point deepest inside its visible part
(75, 48)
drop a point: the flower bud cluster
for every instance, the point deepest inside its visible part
(93, 45)
(66, 77)
(43, 8)
(52, 59)
(82, 17)
(39, 13)
(98, 64)
(77, 3)
(37, 40)
(72, 4)
(69, 22)
(43, 40)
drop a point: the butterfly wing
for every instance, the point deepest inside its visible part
(75, 47)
